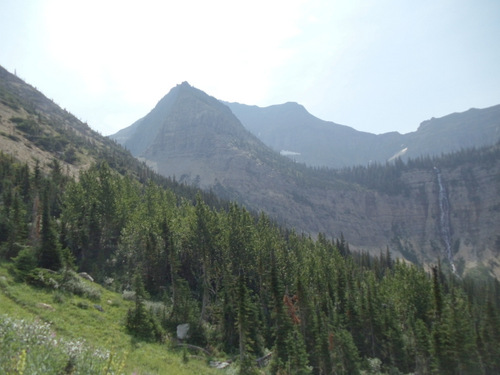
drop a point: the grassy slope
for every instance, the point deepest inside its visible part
(99, 329)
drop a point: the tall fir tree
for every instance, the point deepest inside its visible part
(49, 252)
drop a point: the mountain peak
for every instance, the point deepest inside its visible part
(293, 105)
(184, 84)
(189, 133)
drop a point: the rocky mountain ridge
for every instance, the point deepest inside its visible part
(326, 144)
(201, 142)
(35, 130)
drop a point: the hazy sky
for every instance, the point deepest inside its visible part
(375, 65)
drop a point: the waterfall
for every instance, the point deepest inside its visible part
(444, 219)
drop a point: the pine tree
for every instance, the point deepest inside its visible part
(289, 352)
(49, 252)
(140, 321)
(489, 336)
(422, 348)
(245, 319)
(204, 241)
(15, 226)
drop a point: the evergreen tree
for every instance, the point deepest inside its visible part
(422, 348)
(245, 321)
(13, 225)
(140, 321)
(49, 252)
(489, 337)
(289, 352)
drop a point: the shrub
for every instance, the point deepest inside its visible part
(59, 297)
(81, 288)
(24, 263)
(128, 295)
(115, 302)
(74, 284)
(3, 282)
(67, 281)
(44, 278)
(28, 126)
(142, 324)
(82, 305)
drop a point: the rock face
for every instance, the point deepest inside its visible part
(412, 226)
(199, 140)
(193, 137)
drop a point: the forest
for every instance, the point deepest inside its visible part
(248, 288)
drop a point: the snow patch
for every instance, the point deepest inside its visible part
(398, 154)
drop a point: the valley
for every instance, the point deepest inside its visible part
(271, 267)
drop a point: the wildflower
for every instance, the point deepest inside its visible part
(21, 362)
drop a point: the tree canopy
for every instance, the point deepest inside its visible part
(246, 286)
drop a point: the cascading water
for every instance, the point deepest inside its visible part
(444, 219)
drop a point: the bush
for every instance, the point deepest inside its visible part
(44, 278)
(28, 126)
(143, 324)
(75, 285)
(82, 305)
(24, 263)
(115, 302)
(67, 281)
(59, 297)
(128, 295)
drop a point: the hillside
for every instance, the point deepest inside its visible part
(263, 298)
(326, 144)
(36, 131)
(61, 328)
(34, 128)
(198, 140)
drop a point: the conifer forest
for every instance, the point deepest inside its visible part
(274, 300)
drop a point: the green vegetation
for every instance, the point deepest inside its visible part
(33, 347)
(54, 331)
(245, 287)
(387, 178)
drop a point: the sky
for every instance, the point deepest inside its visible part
(377, 66)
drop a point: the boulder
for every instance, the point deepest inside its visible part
(182, 331)
(85, 275)
(45, 306)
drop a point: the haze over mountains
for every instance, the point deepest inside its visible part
(289, 127)
(200, 141)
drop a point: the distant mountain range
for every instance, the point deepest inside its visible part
(201, 141)
(198, 140)
(291, 130)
